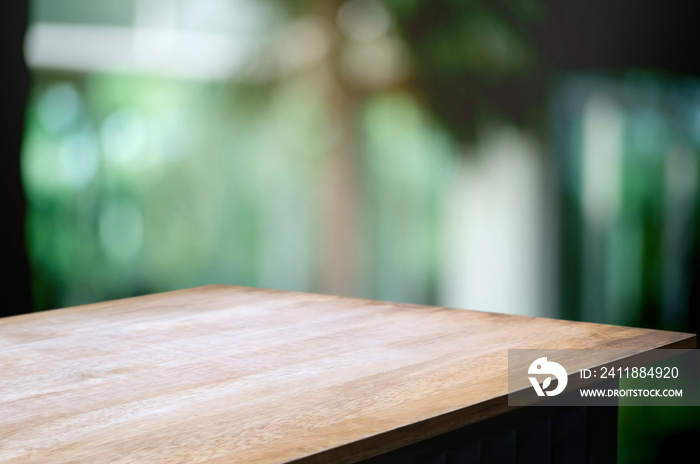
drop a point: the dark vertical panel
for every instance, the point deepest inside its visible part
(534, 442)
(499, 448)
(602, 432)
(569, 437)
(13, 94)
(436, 459)
(469, 454)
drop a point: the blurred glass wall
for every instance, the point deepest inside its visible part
(178, 143)
(392, 150)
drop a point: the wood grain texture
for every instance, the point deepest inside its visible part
(226, 374)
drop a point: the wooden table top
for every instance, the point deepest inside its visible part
(235, 374)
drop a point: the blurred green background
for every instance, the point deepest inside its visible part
(473, 154)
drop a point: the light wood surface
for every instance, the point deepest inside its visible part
(229, 374)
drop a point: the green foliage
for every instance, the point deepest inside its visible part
(476, 61)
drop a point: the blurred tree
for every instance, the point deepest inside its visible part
(476, 61)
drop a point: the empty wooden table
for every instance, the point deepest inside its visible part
(243, 375)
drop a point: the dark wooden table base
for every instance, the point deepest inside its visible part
(537, 435)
